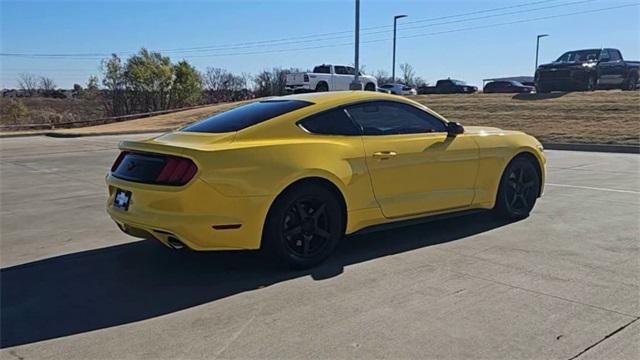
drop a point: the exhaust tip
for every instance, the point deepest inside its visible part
(175, 243)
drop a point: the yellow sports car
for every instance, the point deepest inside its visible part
(293, 174)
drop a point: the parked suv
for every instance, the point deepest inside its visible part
(328, 78)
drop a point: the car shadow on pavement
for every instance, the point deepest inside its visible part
(101, 288)
(536, 96)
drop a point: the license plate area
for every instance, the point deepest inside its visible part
(122, 199)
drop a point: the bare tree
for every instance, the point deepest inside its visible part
(382, 77)
(214, 78)
(47, 85)
(408, 74)
(28, 83)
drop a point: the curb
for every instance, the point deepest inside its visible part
(73, 135)
(609, 148)
(125, 132)
(21, 135)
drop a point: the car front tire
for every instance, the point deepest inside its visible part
(519, 189)
(304, 226)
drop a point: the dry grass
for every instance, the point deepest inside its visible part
(53, 111)
(603, 117)
(156, 123)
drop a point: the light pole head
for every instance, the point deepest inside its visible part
(542, 35)
(399, 17)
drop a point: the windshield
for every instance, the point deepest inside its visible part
(581, 55)
(245, 116)
(517, 83)
(459, 82)
(386, 86)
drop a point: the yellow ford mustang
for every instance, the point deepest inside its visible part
(293, 174)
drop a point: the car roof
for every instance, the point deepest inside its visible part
(338, 97)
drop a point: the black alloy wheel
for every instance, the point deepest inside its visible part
(519, 189)
(304, 226)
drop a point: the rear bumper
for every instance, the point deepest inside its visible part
(196, 214)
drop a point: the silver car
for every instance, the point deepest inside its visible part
(399, 89)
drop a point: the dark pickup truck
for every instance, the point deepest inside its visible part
(587, 70)
(448, 86)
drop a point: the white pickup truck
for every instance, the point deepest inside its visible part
(328, 78)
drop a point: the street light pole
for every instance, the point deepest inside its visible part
(538, 48)
(393, 64)
(356, 85)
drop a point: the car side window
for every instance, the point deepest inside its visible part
(332, 122)
(341, 70)
(615, 55)
(604, 56)
(392, 118)
(322, 69)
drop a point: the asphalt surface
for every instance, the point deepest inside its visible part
(562, 284)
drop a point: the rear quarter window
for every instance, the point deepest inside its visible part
(245, 116)
(331, 122)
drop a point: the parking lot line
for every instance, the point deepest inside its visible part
(594, 188)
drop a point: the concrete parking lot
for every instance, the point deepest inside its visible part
(562, 284)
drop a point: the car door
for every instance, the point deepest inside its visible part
(617, 67)
(342, 77)
(607, 69)
(415, 168)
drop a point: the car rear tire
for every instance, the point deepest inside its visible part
(322, 87)
(631, 83)
(519, 189)
(304, 226)
(370, 87)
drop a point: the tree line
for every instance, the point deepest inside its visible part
(149, 81)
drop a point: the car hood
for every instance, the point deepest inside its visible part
(561, 65)
(486, 130)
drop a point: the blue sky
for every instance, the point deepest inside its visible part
(82, 27)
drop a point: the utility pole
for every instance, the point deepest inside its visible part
(393, 63)
(538, 48)
(356, 85)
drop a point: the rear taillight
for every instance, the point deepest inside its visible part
(176, 171)
(118, 161)
(306, 78)
(156, 169)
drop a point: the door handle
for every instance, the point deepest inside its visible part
(384, 154)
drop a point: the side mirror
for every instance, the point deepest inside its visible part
(454, 128)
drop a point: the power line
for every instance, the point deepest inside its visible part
(422, 34)
(387, 31)
(283, 41)
(409, 36)
(363, 30)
